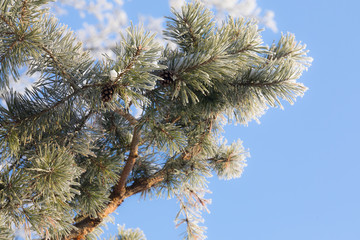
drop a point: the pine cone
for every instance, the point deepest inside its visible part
(168, 78)
(107, 92)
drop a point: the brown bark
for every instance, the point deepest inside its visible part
(119, 188)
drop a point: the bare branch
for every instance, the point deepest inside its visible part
(119, 188)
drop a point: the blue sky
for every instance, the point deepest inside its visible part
(302, 180)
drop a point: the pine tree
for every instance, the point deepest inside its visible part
(72, 149)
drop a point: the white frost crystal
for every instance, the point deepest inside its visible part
(113, 74)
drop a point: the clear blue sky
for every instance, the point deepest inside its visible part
(302, 180)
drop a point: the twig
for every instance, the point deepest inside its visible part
(132, 120)
(65, 74)
(130, 65)
(60, 102)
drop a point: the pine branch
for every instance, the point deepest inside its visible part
(196, 148)
(130, 64)
(132, 120)
(121, 192)
(81, 124)
(83, 121)
(3, 18)
(210, 60)
(65, 74)
(53, 107)
(23, 10)
(216, 71)
(191, 205)
(119, 188)
(191, 32)
(244, 49)
(260, 84)
(8, 51)
(88, 224)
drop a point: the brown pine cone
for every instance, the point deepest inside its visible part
(107, 92)
(167, 77)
